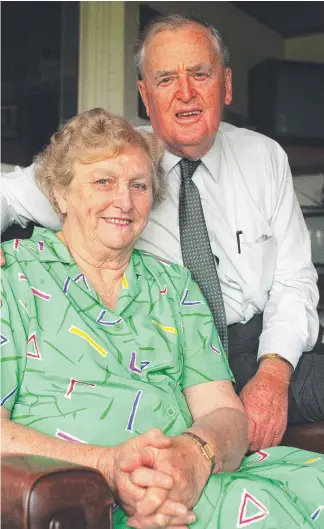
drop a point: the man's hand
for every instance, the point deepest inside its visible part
(189, 470)
(2, 258)
(265, 399)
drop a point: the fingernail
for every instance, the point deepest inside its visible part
(132, 523)
(182, 511)
(191, 518)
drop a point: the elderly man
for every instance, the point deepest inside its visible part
(231, 217)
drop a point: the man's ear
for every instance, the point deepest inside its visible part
(142, 91)
(228, 86)
(60, 193)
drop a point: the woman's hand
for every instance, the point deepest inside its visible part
(126, 492)
(129, 489)
(184, 462)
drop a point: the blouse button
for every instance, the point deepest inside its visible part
(118, 326)
(170, 411)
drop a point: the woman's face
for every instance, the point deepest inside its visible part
(108, 202)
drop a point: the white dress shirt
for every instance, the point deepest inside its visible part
(245, 186)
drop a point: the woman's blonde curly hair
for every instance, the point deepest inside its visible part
(89, 137)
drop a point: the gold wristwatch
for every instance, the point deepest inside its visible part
(204, 447)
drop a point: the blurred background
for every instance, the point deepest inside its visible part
(60, 58)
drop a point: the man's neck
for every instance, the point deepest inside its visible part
(192, 152)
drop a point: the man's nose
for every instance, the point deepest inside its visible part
(185, 90)
(122, 198)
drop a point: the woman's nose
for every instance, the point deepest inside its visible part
(123, 199)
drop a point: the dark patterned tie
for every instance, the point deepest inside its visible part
(195, 246)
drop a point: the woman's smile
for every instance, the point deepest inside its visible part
(121, 223)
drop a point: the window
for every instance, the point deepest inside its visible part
(39, 74)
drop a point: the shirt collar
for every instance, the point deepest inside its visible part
(49, 247)
(211, 160)
(170, 160)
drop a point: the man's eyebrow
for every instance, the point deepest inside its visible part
(166, 73)
(197, 67)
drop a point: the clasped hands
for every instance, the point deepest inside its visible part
(157, 480)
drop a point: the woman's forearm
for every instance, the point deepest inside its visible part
(18, 439)
(225, 429)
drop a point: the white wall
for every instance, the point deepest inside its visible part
(309, 48)
(249, 42)
(101, 56)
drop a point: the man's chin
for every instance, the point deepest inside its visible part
(192, 146)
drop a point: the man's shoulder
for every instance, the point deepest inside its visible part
(146, 128)
(16, 171)
(245, 139)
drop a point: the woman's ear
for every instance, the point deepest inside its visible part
(60, 193)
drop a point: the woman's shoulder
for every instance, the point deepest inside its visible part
(149, 263)
(39, 247)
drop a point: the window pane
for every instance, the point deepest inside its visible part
(39, 74)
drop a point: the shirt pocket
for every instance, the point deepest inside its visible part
(259, 253)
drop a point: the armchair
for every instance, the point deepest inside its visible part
(43, 493)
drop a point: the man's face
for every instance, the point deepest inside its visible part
(184, 89)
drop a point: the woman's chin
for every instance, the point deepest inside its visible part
(118, 243)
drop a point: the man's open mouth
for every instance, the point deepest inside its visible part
(188, 113)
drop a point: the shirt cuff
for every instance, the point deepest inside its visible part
(282, 342)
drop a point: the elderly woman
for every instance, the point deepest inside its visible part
(107, 347)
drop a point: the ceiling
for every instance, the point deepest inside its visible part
(290, 19)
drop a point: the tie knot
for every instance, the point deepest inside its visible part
(188, 167)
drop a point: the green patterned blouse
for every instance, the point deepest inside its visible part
(74, 369)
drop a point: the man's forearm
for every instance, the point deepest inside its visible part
(23, 202)
(6, 219)
(225, 429)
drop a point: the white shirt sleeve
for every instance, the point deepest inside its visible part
(22, 201)
(290, 320)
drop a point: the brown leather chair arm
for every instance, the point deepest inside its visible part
(306, 436)
(43, 493)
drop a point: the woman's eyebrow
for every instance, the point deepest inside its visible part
(144, 176)
(102, 172)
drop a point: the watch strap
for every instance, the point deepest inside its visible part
(205, 448)
(275, 356)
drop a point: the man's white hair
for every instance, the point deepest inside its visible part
(174, 22)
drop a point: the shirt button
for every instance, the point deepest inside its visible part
(170, 411)
(118, 326)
